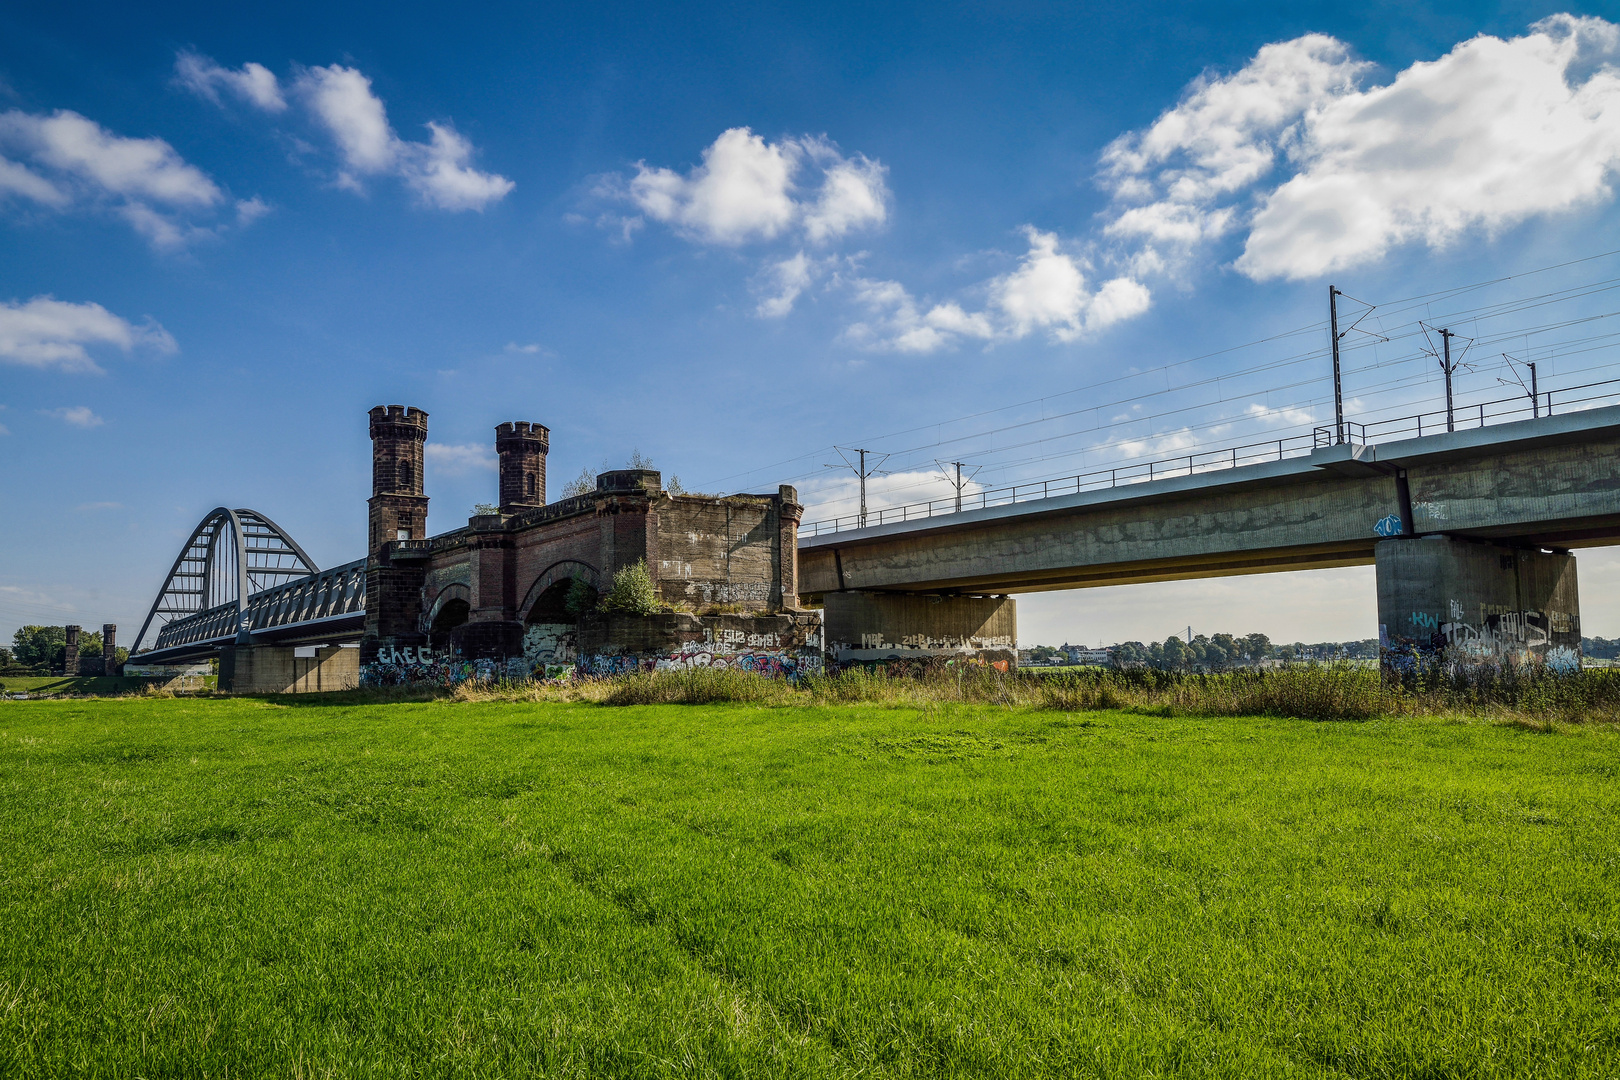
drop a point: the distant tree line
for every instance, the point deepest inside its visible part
(1220, 652)
(43, 649)
(1601, 648)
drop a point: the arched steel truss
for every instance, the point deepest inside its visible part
(332, 600)
(231, 555)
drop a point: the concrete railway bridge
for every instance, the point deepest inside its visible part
(1472, 535)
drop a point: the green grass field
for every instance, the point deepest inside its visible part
(306, 888)
(76, 684)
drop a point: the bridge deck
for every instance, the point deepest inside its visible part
(1551, 482)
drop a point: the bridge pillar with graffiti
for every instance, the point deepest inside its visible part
(907, 634)
(1446, 600)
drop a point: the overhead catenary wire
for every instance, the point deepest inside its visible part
(1054, 432)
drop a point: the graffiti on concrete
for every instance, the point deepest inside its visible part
(1388, 526)
(421, 668)
(548, 650)
(933, 644)
(1497, 634)
(760, 654)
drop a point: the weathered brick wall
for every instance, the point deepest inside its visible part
(720, 553)
(393, 608)
(723, 555)
(535, 551)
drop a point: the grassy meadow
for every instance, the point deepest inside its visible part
(70, 684)
(328, 887)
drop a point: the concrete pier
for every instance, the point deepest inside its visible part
(288, 669)
(888, 629)
(1441, 598)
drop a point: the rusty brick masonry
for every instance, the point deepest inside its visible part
(492, 589)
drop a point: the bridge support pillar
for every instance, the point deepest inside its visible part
(897, 632)
(1441, 598)
(288, 669)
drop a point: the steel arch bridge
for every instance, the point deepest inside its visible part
(241, 579)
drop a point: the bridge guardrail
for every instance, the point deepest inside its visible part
(1481, 414)
(340, 590)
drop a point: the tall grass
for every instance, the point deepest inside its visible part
(1532, 696)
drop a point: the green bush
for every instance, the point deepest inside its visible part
(632, 592)
(582, 597)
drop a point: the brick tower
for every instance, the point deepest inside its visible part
(522, 448)
(398, 504)
(70, 657)
(109, 648)
(398, 512)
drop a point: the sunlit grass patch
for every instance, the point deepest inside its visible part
(795, 887)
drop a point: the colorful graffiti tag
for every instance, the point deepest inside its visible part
(1499, 637)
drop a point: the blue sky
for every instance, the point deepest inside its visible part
(1038, 238)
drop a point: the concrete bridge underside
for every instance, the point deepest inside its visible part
(1548, 483)
(1470, 532)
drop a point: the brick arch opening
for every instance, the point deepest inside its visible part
(546, 600)
(451, 615)
(451, 608)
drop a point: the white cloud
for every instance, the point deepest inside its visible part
(440, 174)
(1286, 416)
(250, 210)
(77, 415)
(1320, 174)
(449, 459)
(46, 332)
(746, 190)
(343, 103)
(1226, 134)
(144, 169)
(341, 100)
(1159, 446)
(783, 282)
(78, 162)
(253, 83)
(1048, 291)
(853, 195)
(16, 179)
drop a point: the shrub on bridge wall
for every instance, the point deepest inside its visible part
(633, 592)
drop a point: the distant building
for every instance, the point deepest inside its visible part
(1079, 654)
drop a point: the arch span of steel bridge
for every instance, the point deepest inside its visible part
(240, 580)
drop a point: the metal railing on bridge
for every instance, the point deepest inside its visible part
(1517, 407)
(335, 592)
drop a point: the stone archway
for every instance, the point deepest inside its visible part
(552, 587)
(550, 639)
